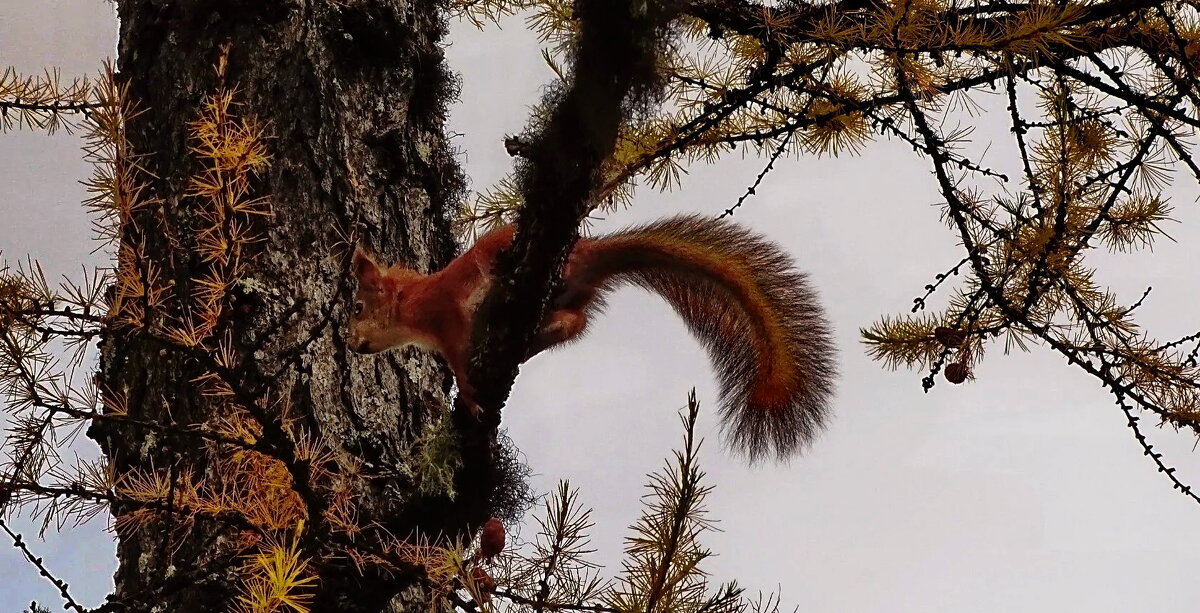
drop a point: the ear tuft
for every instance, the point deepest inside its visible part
(364, 266)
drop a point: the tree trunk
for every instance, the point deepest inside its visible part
(353, 95)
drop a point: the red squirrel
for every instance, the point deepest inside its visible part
(738, 293)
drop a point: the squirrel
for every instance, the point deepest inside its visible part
(767, 336)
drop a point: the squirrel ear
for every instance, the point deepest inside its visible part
(364, 266)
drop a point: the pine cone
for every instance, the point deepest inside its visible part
(949, 337)
(483, 582)
(491, 538)
(957, 373)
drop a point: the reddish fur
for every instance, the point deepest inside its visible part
(435, 310)
(737, 292)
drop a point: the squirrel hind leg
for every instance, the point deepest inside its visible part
(560, 326)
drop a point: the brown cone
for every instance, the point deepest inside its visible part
(949, 337)
(491, 538)
(957, 373)
(483, 582)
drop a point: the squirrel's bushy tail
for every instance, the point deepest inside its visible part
(764, 330)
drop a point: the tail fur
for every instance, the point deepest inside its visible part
(764, 330)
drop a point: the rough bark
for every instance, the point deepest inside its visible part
(353, 93)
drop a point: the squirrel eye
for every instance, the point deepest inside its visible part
(358, 308)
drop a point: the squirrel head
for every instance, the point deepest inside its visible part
(377, 313)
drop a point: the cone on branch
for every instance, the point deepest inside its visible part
(485, 585)
(950, 337)
(957, 373)
(491, 538)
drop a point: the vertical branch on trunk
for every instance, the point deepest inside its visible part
(614, 74)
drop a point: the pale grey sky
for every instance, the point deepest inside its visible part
(1021, 491)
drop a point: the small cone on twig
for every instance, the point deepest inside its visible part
(491, 538)
(957, 373)
(484, 583)
(949, 337)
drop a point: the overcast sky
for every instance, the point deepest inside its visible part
(1021, 491)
